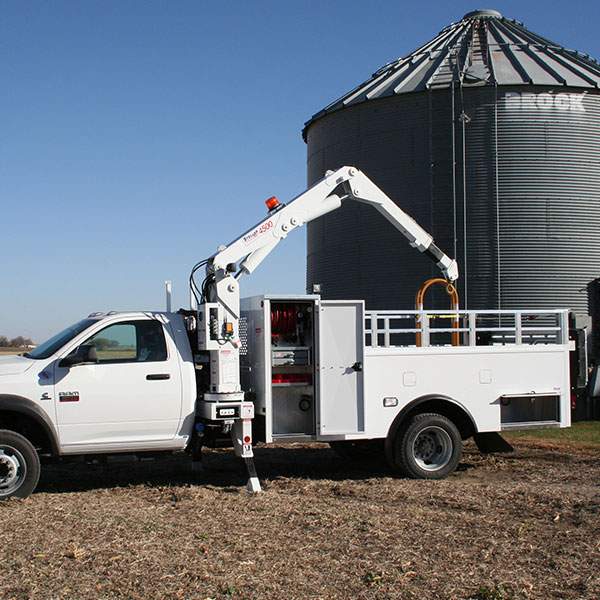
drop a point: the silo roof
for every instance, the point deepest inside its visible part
(483, 48)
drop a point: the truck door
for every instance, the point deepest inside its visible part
(132, 395)
(340, 376)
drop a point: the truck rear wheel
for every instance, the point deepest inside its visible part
(19, 466)
(427, 446)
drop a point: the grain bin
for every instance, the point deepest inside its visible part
(489, 135)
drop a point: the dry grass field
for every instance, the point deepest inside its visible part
(8, 351)
(524, 525)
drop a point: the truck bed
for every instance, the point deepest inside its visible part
(358, 370)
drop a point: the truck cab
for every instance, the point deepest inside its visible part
(114, 382)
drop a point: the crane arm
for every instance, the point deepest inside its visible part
(327, 195)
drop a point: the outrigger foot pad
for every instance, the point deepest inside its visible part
(253, 485)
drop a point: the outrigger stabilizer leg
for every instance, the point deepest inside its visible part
(196, 448)
(241, 435)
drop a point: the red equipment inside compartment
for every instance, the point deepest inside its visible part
(300, 378)
(283, 321)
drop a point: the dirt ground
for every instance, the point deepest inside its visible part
(525, 525)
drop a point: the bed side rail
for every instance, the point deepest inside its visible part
(391, 328)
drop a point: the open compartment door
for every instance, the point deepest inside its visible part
(340, 367)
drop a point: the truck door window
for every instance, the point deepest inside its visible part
(151, 341)
(116, 343)
(133, 341)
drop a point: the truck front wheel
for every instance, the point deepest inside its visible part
(19, 466)
(426, 446)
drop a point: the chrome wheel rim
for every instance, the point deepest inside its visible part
(13, 470)
(432, 448)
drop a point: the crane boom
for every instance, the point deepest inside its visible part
(346, 183)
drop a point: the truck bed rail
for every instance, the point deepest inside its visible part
(388, 328)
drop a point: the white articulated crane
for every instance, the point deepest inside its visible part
(219, 298)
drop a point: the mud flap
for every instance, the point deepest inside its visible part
(491, 442)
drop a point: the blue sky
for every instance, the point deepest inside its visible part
(138, 136)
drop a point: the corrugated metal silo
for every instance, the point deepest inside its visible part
(489, 136)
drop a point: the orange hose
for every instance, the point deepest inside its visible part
(452, 292)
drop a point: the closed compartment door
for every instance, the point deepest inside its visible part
(340, 372)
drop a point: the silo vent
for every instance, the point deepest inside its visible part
(485, 13)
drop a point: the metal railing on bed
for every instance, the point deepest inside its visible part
(388, 328)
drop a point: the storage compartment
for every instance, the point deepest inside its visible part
(292, 367)
(529, 409)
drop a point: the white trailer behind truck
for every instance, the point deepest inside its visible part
(284, 368)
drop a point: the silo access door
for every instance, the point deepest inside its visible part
(340, 376)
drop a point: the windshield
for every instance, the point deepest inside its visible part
(49, 347)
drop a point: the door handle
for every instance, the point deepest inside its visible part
(357, 366)
(158, 376)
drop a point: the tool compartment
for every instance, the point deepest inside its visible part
(292, 367)
(281, 375)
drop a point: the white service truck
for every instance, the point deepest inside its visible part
(284, 368)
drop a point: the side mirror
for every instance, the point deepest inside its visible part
(86, 355)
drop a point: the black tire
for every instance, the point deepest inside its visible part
(19, 466)
(360, 451)
(425, 446)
